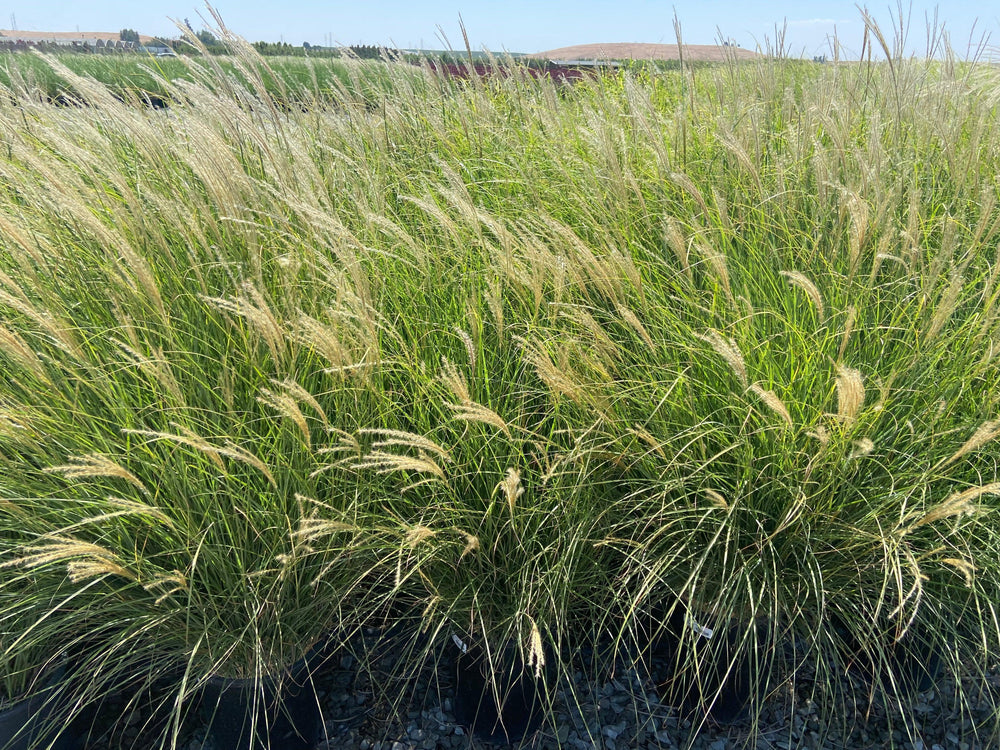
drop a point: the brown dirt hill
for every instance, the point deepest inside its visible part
(66, 36)
(626, 51)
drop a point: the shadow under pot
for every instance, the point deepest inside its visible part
(279, 711)
(498, 697)
(715, 670)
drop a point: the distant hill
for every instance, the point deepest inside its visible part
(66, 37)
(627, 51)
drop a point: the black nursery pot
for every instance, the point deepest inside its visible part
(515, 708)
(696, 668)
(912, 663)
(34, 721)
(278, 712)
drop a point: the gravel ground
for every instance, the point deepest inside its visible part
(620, 711)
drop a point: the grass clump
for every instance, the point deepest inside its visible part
(524, 359)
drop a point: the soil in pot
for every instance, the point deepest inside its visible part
(500, 699)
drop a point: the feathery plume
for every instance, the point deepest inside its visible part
(985, 433)
(511, 486)
(536, 655)
(966, 568)
(416, 534)
(17, 349)
(383, 462)
(678, 245)
(858, 211)
(171, 582)
(945, 306)
(473, 412)
(288, 407)
(633, 320)
(720, 269)
(716, 499)
(405, 439)
(806, 285)
(686, 184)
(95, 465)
(556, 378)
(452, 377)
(296, 391)
(83, 559)
(215, 453)
(820, 433)
(471, 544)
(862, 447)
(957, 504)
(850, 393)
(470, 348)
(729, 351)
(773, 402)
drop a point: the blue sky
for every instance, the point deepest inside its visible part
(513, 25)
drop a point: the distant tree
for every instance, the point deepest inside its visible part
(129, 35)
(306, 45)
(207, 38)
(366, 51)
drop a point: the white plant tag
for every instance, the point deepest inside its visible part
(699, 629)
(460, 643)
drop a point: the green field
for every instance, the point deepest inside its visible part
(503, 355)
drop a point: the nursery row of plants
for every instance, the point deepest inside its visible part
(518, 361)
(145, 79)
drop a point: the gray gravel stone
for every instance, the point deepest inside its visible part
(612, 731)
